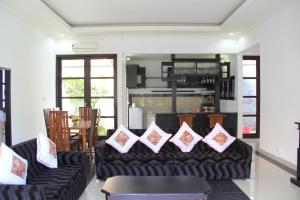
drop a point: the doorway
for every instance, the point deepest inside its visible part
(88, 80)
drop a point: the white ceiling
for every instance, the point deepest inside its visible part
(83, 13)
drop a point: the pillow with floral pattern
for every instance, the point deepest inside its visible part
(154, 137)
(46, 151)
(219, 139)
(122, 139)
(13, 167)
(185, 138)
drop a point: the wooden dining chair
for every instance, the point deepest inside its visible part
(215, 118)
(60, 132)
(187, 118)
(96, 135)
(85, 113)
(92, 133)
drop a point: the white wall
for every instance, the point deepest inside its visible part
(31, 58)
(279, 42)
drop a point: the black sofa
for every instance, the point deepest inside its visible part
(203, 161)
(67, 182)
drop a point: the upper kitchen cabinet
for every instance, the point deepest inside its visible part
(135, 76)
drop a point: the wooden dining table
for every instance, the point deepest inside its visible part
(82, 127)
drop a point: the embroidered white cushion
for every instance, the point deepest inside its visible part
(219, 139)
(46, 151)
(122, 139)
(13, 168)
(154, 137)
(185, 138)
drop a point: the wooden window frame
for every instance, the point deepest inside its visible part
(87, 80)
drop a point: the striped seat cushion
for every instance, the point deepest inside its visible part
(59, 183)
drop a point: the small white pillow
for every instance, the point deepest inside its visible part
(46, 151)
(154, 137)
(185, 138)
(122, 139)
(13, 167)
(219, 139)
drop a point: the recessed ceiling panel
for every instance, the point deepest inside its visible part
(144, 12)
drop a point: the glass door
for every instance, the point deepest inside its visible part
(88, 80)
(251, 96)
(103, 92)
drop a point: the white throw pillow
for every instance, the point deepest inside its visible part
(122, 139)
(185, 138)
(46, 151)
(154, 137)
(13, 168)
(219, 139)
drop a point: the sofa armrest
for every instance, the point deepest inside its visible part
(72, 158)
(244, 149)
(22, 192)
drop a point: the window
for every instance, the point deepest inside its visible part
(88, 80)
(5, 127)
(251, 96)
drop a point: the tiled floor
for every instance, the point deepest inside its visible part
(267, 182)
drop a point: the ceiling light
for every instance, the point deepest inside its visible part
(231, 34)
(62, 35)
(128, 59)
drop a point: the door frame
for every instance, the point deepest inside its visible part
(257, 78)
(7, 110)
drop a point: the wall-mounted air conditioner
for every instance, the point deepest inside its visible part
(85, 46)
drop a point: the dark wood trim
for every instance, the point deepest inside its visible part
(7, 101)
(249, 97)
(114, 56)
(196, 60)
(87, 82)
(8, 137)
(250, 115)
(257, 134)
(87, 79)
(70, 78)
(248, 78)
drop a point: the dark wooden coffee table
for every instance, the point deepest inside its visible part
(155, 188)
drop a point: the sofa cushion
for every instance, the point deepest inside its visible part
(154, 137)
(208, 157)
(46, 151)
(13, 167)
(122, 140)
(27, 150)
(58, 182)
(219, 139)
(185, 138)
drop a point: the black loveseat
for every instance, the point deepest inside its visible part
(67, 182)
(203, 161)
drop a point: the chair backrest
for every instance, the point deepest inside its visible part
(46, 112)
(61, 136)
(85, 113)
(93, 133)
(187, 118)
(215, 118)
